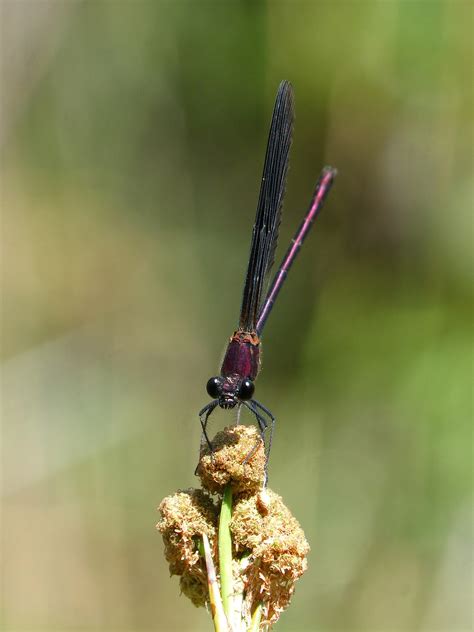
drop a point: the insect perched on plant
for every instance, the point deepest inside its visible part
(235, 384)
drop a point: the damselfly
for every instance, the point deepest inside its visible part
(235, 384)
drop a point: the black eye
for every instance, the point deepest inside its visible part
(212, 387)
(246, 390)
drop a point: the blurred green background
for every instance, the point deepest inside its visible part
(133, 137)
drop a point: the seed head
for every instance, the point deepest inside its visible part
(276, 547)
(238, 458)
(185, 516)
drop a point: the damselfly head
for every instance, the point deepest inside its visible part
(230, 390)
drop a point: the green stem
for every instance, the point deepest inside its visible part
(255, 623)
(225, 553)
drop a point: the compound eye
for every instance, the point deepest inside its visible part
(212, 387)
(246, 390)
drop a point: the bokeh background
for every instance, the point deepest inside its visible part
(133, 136)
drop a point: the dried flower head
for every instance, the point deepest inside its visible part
(266, 531)
(238, 459)
(186, 515)
(266, 548)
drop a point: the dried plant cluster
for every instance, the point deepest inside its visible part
(185, 516)
(269, 548)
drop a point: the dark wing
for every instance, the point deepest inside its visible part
(267, 220)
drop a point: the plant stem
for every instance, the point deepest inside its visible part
(225, 554)
(255, 623)
(218, 615)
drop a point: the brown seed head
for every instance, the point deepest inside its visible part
(238, 458)
(277, 549)
(186, 515)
